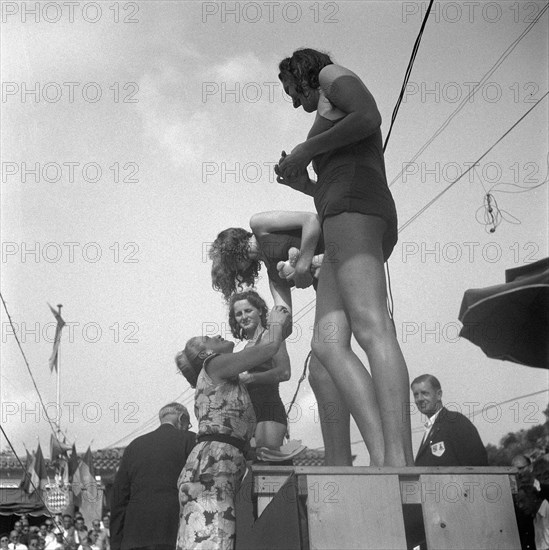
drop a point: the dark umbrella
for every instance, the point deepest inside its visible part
(511, 321)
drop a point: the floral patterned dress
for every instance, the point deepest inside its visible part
(211, 477)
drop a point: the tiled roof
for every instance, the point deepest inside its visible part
(10, 467)
(106, 461)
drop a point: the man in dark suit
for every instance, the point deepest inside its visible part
(145, 503)
(450, 439)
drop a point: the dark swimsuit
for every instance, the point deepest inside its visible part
(352, 178)
(266, 399)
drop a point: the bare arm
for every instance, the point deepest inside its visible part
(280, 372)
(347, 93)
(267, 222)
(229, 365)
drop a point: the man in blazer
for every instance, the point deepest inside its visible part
(145, 503)
(450, 439)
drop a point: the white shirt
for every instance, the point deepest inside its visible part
(54, 545)
(541, 526)
(428, 425)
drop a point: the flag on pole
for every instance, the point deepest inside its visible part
(27, 475)
(56, 340)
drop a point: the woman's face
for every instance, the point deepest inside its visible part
(246, 315)
(218, 344)
(308, 99)
(4, 542)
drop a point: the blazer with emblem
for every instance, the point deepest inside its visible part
(452, 441)
(145, 502)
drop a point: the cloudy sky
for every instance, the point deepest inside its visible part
(132, 133)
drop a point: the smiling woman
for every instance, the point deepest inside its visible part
(248, 321)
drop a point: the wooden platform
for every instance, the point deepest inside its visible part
(329, 508)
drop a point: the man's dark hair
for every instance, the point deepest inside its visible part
(433, 380)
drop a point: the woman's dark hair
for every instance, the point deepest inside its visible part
(256, 301)
(303, 68)
(230, 247)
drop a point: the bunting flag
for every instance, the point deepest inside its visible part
(26, 481)
(56, 340)
(73, 462)
(39, 474)
(88, 459)
(83, 481)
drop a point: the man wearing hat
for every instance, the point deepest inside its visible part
(145, 504)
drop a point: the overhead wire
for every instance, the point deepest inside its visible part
(434, 199)
(51, 424)
(473, 91)
(26, 475)
(408, 73)
(476, 413)
(395, 111)
(390, 301)
(145, 425)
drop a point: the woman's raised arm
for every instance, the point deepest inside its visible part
(268, 222)
(229, 365)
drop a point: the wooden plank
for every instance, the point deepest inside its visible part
(355, 513)
(370, 470)
(469, 512)
(266, 487)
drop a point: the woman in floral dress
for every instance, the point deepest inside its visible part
(226, 421)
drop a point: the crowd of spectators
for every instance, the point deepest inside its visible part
(63, 532)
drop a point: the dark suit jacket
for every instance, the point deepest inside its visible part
(452, 441)
(145, 503)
